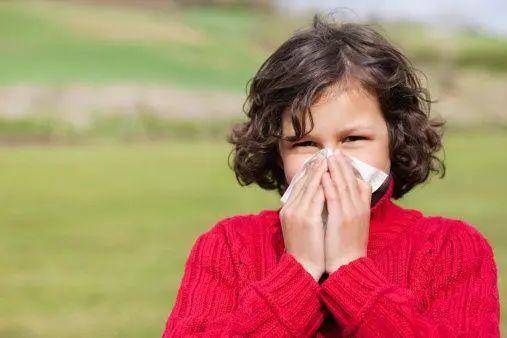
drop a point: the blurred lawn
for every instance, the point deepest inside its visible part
(56, 42)
(93, 239)
(50, 42)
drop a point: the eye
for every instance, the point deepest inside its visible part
(356, 136)
(302, 144)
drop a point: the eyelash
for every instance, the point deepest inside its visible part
(305, 142)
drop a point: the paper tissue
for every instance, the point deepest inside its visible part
(371, 175)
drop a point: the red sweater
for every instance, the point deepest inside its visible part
(423, 276)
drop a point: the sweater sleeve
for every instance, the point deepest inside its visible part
(463, 297)
(211, 303)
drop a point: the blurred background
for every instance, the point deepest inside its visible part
(113, 117)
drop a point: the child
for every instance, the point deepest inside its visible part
(375, 268)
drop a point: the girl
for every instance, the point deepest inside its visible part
(376, 268)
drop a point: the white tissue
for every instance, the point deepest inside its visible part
(371, 175)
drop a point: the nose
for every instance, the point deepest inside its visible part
(333, 146)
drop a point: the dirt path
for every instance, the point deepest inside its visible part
(471, 98)
(78, 103)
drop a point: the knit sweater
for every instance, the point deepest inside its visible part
(422, 276)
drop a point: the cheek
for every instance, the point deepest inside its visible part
(375, 154)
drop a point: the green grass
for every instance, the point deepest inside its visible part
(461, 50)
(49, 42)
(93, 239)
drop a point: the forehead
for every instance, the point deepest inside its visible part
(341, 106)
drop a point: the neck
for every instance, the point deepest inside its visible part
(381, 201)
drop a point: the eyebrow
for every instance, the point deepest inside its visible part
(348, 129)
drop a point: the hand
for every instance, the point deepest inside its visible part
(301, 220)
(348, 203)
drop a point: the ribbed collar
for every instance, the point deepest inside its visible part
(387, 219)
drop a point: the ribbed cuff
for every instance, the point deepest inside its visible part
(351, 291)
(293, 295)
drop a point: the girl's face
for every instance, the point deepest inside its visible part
(349, 120)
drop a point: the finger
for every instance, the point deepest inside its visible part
(350, 178)
(340, 184)
(310, 166)
(331, 194)
(298, 182)
(313, 181)
(319, 198)
(303, 183)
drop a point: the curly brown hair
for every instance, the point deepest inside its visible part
(295, 76)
